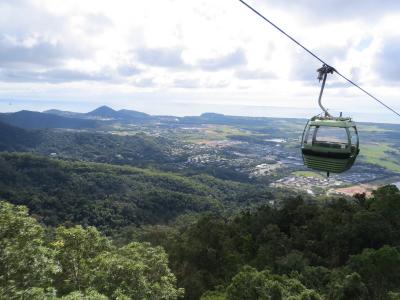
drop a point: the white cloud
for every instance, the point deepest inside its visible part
(93, 49)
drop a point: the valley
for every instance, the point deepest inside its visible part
(263, 150)
(167, 150)
(216, 198)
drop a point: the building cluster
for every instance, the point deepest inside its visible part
(313, 185)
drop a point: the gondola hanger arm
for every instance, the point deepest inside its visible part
(322, 75)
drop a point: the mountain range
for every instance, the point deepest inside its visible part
(70, 120)
(37, 120)
(54, 118)
(103, 113)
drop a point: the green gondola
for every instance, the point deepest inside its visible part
(329, 144)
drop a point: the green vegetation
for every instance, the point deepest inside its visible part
(36, 120)
(299, 251)
(343, 250)
(77, 263)
(250, 284)
(165, 230)
(108, 196)
(212, 133)
(17, 139)
(137, 150)
(378, 154)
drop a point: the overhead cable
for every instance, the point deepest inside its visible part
(317, 57)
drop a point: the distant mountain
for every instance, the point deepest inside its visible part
(211, 114)
(36, 120)
(103, 112)
(123, 114)
(133, 114)
(105, 115)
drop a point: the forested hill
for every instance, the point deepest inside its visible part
(36, 120)
(107, 196)
(338, 250)
(17, 139)
(163, 225)
(137, 150)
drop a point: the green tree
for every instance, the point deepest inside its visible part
(208, 256)
(379, 269)
(77, 247)
(294, 261)
(316, 278)
(213, 295)
(88, 295)
(351, 287)
(135, 271)
(393, 296)
(249, 284)
(386, 201)
(26, 264)
(273, 243)
(307, 295)
(370, 230)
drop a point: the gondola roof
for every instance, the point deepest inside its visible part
(332, 122)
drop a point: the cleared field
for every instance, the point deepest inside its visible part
(357, 189)
(383, 155)
(214, 133)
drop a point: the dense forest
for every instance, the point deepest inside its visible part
(90, 215)
(139, 150)
(337, 250)
(110, 196)
(170, 236)
(76, 263)
(182, 150)
(136, 150)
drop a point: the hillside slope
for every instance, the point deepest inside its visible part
(63, 192)
(137, 150)
(17, 139)
(36, 120)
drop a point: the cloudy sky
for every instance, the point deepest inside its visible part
(185, 57)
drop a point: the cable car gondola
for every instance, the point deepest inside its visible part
(337, 151)
(329, 144)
